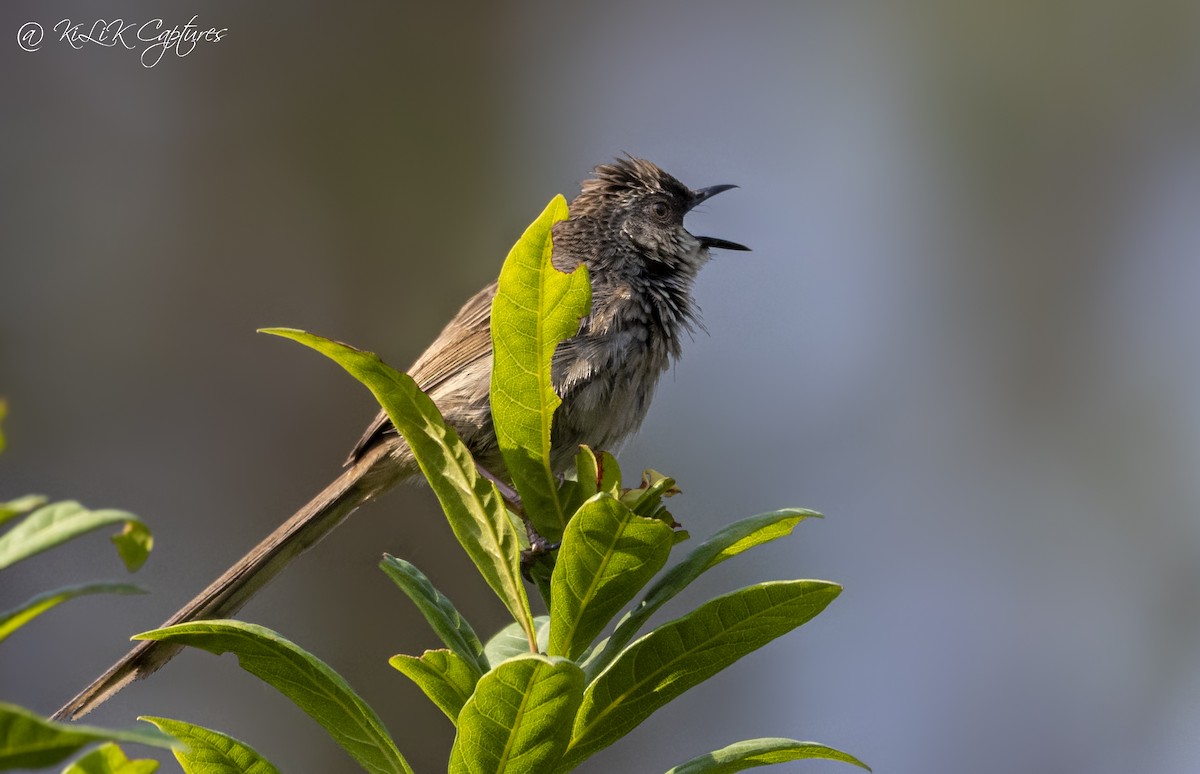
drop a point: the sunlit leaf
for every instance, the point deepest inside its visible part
(110, 759)
(608, 553)
(473, 506)
(536, 307)
(446, 678)
(608, 474)
(12, 620)
(29, 741)
(687, 651)
(728, 542)
(133, 544)
(211, 752)
(761, 752)
(302, 677)
(519, 718)
(57, 523)
(21, 506)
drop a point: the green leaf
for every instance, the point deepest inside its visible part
(302, 677)
(133, 544)
(473, 506)
(12, 620)
(29, 741)
(439, 611)
(211, 752)
(608, 554)
(761, 752)
(608, 474)
(20, 506)
(519, 718)
(588, 471)
(510, 641)
(447, 678)
(57, 523)
(110, 759)
(688, 651)
(536, 307)
(727, 543)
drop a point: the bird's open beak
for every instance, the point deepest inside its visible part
(703, 194)
(724, 244)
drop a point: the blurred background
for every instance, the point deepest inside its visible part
(967, 333)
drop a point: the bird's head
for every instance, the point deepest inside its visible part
(633, 211)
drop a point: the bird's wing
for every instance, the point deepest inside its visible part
(465, 339)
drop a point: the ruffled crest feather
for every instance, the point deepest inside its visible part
(630, 176)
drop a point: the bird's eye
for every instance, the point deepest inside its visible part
(660, 209)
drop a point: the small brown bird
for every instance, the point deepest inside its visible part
(626, 226)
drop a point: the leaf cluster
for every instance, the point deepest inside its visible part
(546, 692)
(28, 740)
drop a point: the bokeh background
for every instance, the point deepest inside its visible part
(967, 333)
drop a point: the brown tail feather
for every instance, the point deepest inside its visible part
(226, 595)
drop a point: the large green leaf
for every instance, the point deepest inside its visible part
(687, 651)
(510, 641)
(608, 554)
(12, 620)
(473, 506)
(447, 678)
(302, 677)
(726, 543)
(761, 752)
(211, 752)
(439, 611)
(519, 718)
(110, 759)
(59, 522)
(29, 741)
(536, 307)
